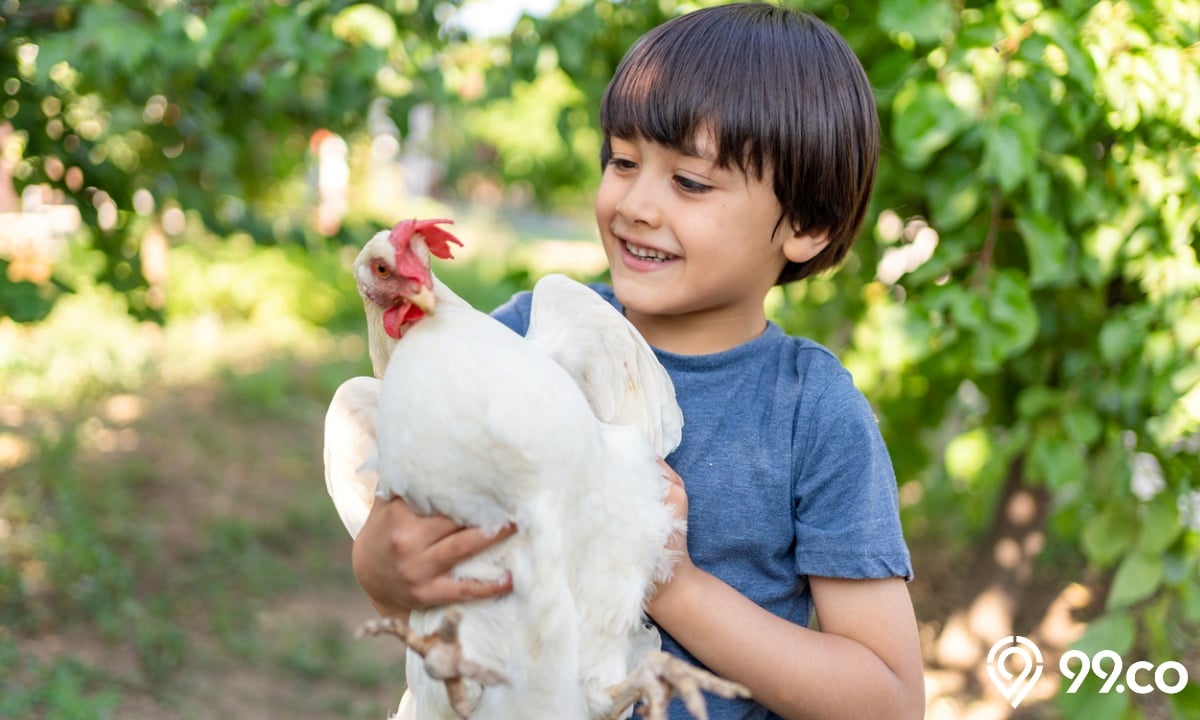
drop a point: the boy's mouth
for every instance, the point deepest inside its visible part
(645, 253)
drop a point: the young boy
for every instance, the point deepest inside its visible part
(740, 150)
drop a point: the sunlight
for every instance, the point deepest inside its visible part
(491, 18)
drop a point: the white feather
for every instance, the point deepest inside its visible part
(350, 467)
(608, 358)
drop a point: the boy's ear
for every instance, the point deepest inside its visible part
(800, 247)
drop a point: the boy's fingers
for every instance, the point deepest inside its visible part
(400, 512)
(434, 528)
(446, 589)
(464, 543)
(437, 527)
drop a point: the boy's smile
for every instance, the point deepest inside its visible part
(644, 258)
(641, 255)
(692, 247)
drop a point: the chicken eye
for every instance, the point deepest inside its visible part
(381, 269)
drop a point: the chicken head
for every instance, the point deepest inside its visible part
(393, 275)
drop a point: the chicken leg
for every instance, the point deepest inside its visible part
(659, 677)
(443, 657)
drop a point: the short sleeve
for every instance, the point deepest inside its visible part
(846, 512)
(515, 312)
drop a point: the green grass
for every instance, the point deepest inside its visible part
(61, 690)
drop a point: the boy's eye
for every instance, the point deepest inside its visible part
(689, 185)
(622, 163)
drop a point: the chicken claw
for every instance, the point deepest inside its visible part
(443, 657)
(659, 677)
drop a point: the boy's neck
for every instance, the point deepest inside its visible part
(698, 333)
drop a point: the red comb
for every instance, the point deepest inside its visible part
(436, 239)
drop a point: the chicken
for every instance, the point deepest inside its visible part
(559, 433)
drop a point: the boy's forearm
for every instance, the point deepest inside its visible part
(792, 670)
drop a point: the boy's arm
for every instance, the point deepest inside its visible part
(864, 662)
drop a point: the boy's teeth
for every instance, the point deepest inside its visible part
(646, 253)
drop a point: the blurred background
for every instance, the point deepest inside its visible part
(183, 184)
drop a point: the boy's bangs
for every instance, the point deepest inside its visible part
(669, 93)
(647, 102)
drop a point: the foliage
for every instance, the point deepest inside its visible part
(1053, 151)
(1054, 333)
(131, 108)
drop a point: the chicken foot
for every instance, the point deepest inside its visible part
(443, 658)
(659, 677)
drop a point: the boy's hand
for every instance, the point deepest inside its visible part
(677, 543)
(403, 560)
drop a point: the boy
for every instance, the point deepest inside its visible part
(739, 153)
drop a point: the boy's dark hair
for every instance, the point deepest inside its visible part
(779, 90)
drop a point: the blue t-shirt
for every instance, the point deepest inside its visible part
(787, 475)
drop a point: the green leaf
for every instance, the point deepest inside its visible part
(1010, 147)
(924, 121)
(1070, 169)
(1089, 703)
(1014, 320)
(1118, 338)
(924, 20)
(1055, 460)
(1042, 198)
(1038, 400)
(966, 308)
(23, 301)
(1082, 425)
(1058, 28)
(1189, 593)
(1108, 535)
(955, 196)
(1112, 631)
(1138, 577)
(1046, 244)
(1186, 702)
(117, 33)
(1160, 524)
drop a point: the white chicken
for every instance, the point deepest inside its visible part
(559, 433)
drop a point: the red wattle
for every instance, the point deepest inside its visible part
(398, 318)
(393, 318)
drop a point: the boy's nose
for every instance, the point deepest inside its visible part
(637, 205)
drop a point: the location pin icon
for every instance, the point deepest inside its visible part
(1028, 658)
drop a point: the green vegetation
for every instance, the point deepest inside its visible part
(1022, 310)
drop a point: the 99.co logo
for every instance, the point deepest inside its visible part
(1015, 664)
(1136, 675)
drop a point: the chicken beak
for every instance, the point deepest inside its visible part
(424, 299)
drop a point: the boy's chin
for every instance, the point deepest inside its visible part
(638, 297)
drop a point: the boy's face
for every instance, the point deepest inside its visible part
(689, 241)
